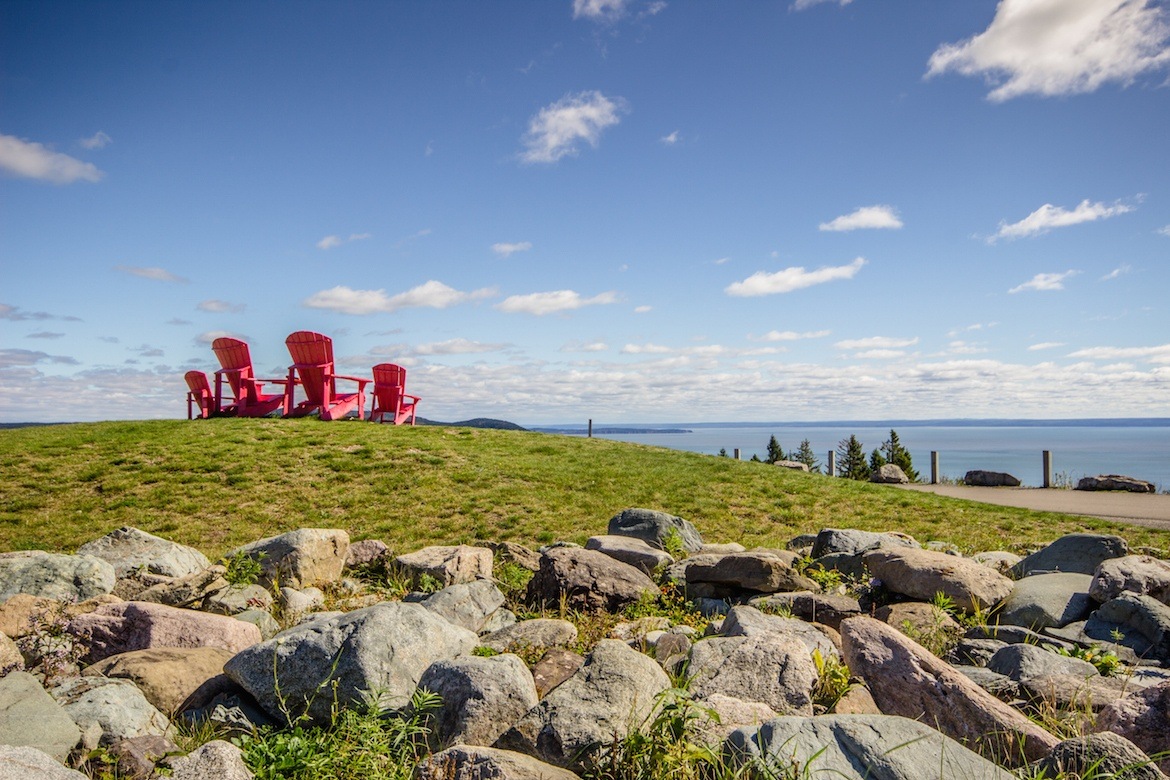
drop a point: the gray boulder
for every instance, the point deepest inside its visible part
(135, 625)
(1141, 717)
(654, 527)
(468, 604)
(758, 571)
(791, 465)
(588, 579)
(920, 574)
(236, 599)
(614, 692)
(981, 478)
(128, 549)
(449, 565)
(1021, 662)
(1115, 482)
(300, 558)
(631, 550)
(54, 576)
(186, 590)
(482, 697)
(749, 621)
(215, 760)
(826, 608)
(1141, 614)
(1081, 553)
(532, 635)
(469, 762)
(166, 676)
(1097, 755)
(367, 552)
(30, 717)
(384, 649)
(1141, 574)
(1044, 600)
(116, 706)
(889, 474)
(769, 668)
(29, 763)
(850, 541)
(1000, 560)
(859, 747)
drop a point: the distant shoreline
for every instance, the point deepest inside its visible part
(636, 428)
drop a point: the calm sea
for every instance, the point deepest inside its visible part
(1141, 451)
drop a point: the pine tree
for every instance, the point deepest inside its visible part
(851, 459)
(775, 453)
(894, 452)
(723, 452)
(876, 461)
(805, 455)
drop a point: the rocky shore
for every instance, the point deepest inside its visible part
(850, 652)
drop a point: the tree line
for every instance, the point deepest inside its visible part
(851, 460)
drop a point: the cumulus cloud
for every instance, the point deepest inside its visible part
(206, 337)
(645, 349)
(507, 250)
(557, 130)
(599, 10)
(586, 346)
(1044, 282)
(30, 160)
(1159, 353)
(865, 218)
(1163, 231)
(330, 242)
(458, 346)
(431, 294)
(876, 342)
(216, 306)
(154, 274)
(1061, 47)
(670, 140)
(98, 140)
(789, 279)
(1048, 217)
(10, 358)
(1116, 272)
(790, 335)
(643, 309)
(542, 303)
(1045, 345)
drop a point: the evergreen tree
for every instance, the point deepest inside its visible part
(876, 461)
(775, 453)
(805, 455)
(755, 458)
(894, 452)
(851, 459)
(723, 452)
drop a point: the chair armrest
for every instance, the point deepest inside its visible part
(360, 380)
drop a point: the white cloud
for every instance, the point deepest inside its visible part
(1154, 354)
(458, 346)
(360, 236)
(98, 140)
(1164, 231)
(330, 242)
(157, 274)
(506, 250)
(643, 309)
(16, 314)
(1061, 47)
(552, 302)
(876, 342)
(1045, 345)
(557, 130)
(960, 347)
(588, 346)
(31, 160)
(801, 5)
(1048, 217)
(1044, 282)
(866, 218)
(646, 349)
(1116, 272)
(431, 294)
(791, 335)
(879, 354)
(10, 358)
(600, 10)
(216, 306)
(789, 279)
(722, 261)
(208, 336)
(670, 140)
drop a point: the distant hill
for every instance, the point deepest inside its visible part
(477, 422)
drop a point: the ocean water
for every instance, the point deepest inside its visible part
(1077, 450)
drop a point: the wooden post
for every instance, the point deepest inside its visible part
(934, 467)
(736, 451)
(590, 428)
(1047, 460)
(832, 468)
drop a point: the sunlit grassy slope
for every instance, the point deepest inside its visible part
(215, 484)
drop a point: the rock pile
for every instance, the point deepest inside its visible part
(949, 655)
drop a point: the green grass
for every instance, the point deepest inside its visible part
(216, 484)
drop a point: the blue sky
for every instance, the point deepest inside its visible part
(612, 209)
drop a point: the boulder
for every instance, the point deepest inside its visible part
(732, 714)
(791, 465)
(850, 541)
(116, 706)
(384, 649)
(468, 762)
(186, 590)
(907, 680)
(631, 550)
(758, 571)
(614, 692)
(1071, 692)
(1000, 560)
(467, 604)
(135, 757)
(128, 549)
(166, 675)
(300, 558)
(981, 478)
(826, 608)
(1044, 600)
(29, 763)
(589, 580)
(918, 619)
(449, 565)
(367, 552)
(532, 635)
(554, 667)
(215, 760)
(136, 625)
(236, 599)
(889, 474)
(54, 576)
(1097, 755)
(769, 668)
(262, 619)
(974, 652)
(859, 747)
(1141, 717)
(1021, 662)
(921, 574)
(1116, 482)
(482, 697)
(655, 528)
(10, 658)
(19, 613)
(749, 621)
(1081, 553)
(30, 717)
(1141, 574)
(1140, 614)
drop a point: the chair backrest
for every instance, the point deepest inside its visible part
(389, 383)
(312, 356)
(235, 359)
(197, 384)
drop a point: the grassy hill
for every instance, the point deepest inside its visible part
(215, 484)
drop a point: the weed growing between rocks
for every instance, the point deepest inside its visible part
(1105, 660)
(512, 580)
(49, 645)
(833, 681)
(242, 568)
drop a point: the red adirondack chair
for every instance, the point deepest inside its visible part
(248, 394)
(390, 400)
(313, 370)
(199, 395)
